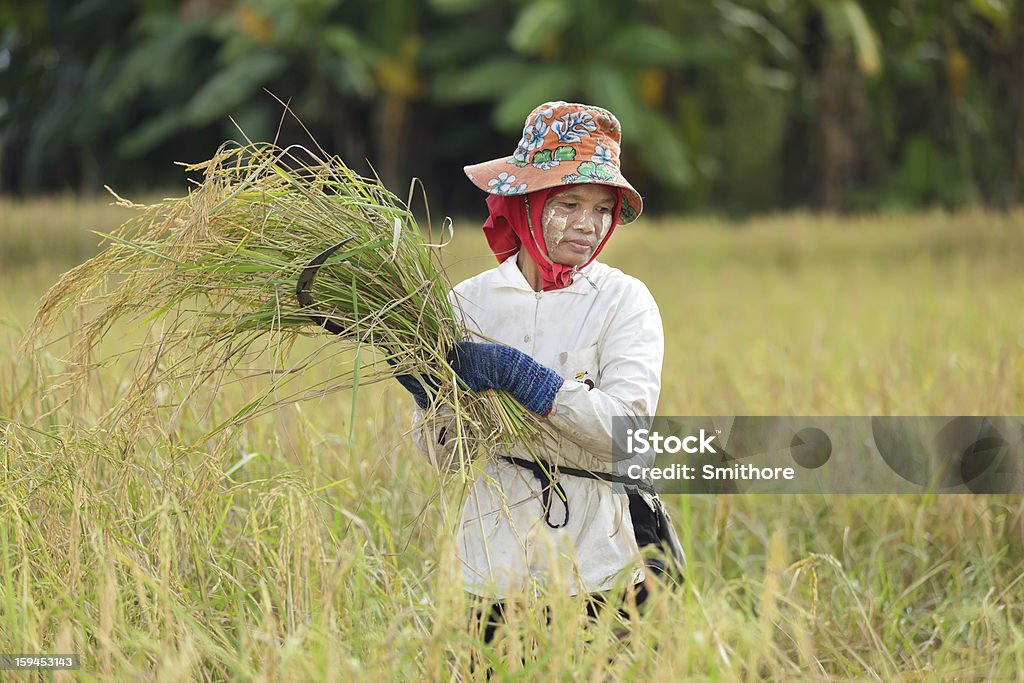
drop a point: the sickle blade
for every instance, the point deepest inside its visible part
(304, 288)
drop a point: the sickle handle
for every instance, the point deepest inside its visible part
(304, 289)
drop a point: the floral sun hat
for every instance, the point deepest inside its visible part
(563, 143)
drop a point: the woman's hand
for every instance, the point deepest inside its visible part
(483, 366)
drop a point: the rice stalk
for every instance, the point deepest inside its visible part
(212, 277)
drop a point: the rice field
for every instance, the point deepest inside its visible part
(315, 543)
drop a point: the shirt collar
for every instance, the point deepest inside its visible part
(509, 275)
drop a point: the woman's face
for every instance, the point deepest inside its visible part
(575, 221)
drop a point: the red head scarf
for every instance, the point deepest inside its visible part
(507, 229)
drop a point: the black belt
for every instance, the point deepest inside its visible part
(542, 472)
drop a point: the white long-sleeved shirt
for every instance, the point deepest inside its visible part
(603, 334)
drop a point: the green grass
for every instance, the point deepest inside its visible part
(288, 550)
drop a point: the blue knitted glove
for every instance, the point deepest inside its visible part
(412, 385)
(484, 366)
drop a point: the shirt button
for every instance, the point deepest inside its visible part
(537, 295)
(526, 338)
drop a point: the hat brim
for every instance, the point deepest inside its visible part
(510, 176)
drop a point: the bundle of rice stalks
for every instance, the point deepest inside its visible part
(214, 277)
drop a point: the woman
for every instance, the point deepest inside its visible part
(580, 343)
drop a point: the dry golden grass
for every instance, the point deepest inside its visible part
(314, 544)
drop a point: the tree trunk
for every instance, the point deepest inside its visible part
(842, 109)
(801, 158)
(1013, 127)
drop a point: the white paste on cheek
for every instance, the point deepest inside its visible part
(606, 223)
(553, 224)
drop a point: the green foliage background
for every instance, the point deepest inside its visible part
(734, 105)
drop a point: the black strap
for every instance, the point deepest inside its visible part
(542, 473)
(547, 476)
